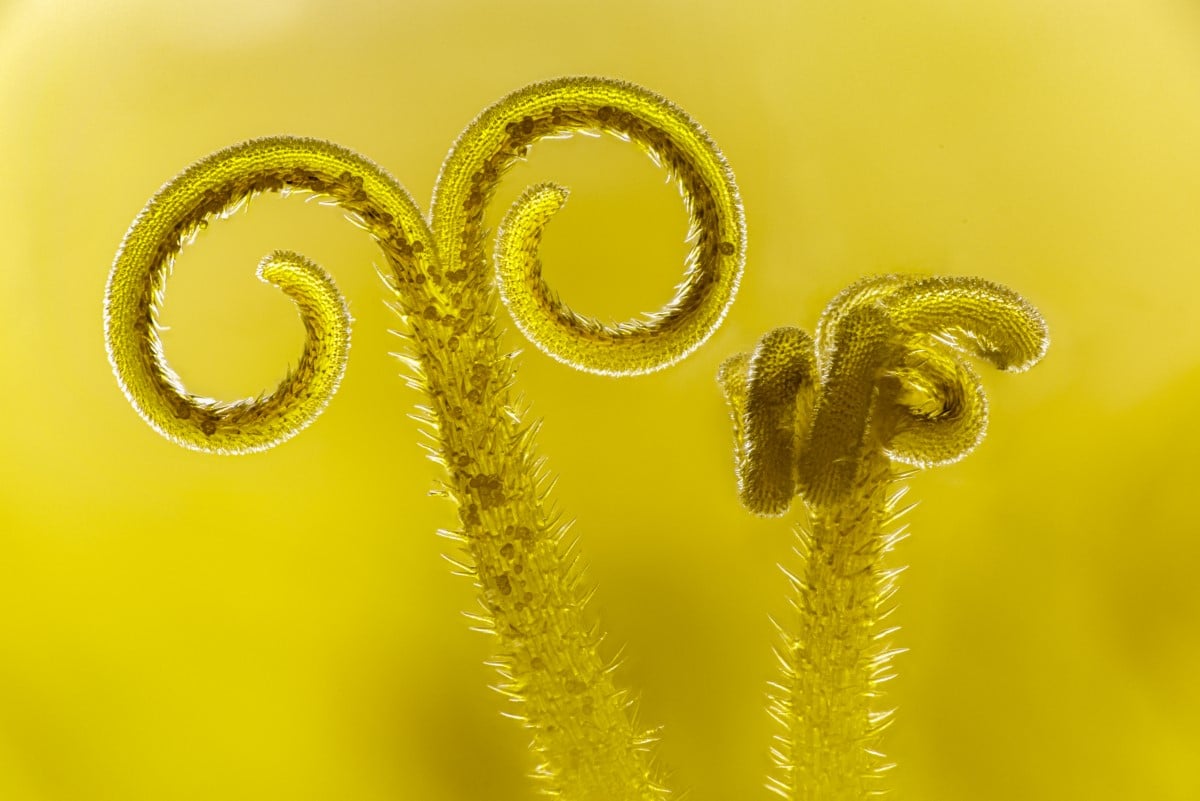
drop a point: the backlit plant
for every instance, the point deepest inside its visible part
(823, 419)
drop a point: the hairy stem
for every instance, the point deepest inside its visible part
(883, 382)
(532, 597)
(445, 292)
(835, 651)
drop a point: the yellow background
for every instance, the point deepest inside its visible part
(280, 626)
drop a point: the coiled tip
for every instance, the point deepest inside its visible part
(885, 372)
(245, 426)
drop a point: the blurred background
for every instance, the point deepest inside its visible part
(280, 625)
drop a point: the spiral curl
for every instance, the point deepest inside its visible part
(439, 268)
(884, 371)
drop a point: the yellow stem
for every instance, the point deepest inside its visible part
(588, 744)
(883, 381)
(836, 652)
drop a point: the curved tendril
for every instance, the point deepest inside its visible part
(986, 320)
(213, 187)
(832, 455)
(433, 270)
(503, 134)
(932, 408)
(861, 293)
(777, 386)
(892, 378)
